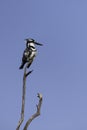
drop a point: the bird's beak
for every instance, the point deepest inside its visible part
(38, 44)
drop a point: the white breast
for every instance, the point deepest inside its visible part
(32, 44)
(33, 54)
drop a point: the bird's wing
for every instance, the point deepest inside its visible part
(26, 54)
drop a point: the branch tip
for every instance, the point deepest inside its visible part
(29, 73)
(39, 95)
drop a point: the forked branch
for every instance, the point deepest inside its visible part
(37, 112)
(23, 103)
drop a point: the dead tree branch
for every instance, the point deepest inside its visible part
(23, 103)
(37, 112)
(23, 97)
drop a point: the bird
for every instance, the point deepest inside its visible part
(29, 53)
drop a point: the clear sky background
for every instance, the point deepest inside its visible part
(60, 68)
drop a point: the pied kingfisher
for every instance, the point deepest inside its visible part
(29, 53)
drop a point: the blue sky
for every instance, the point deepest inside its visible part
(60, 68)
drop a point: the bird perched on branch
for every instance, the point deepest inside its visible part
(29, 53)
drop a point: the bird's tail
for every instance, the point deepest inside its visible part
(29, 64)
(22, 65)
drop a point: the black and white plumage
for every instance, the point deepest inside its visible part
(29, 53)
(32, 42)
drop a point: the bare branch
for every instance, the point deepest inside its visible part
(29, 73)
(37, 112)
(23, 97)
